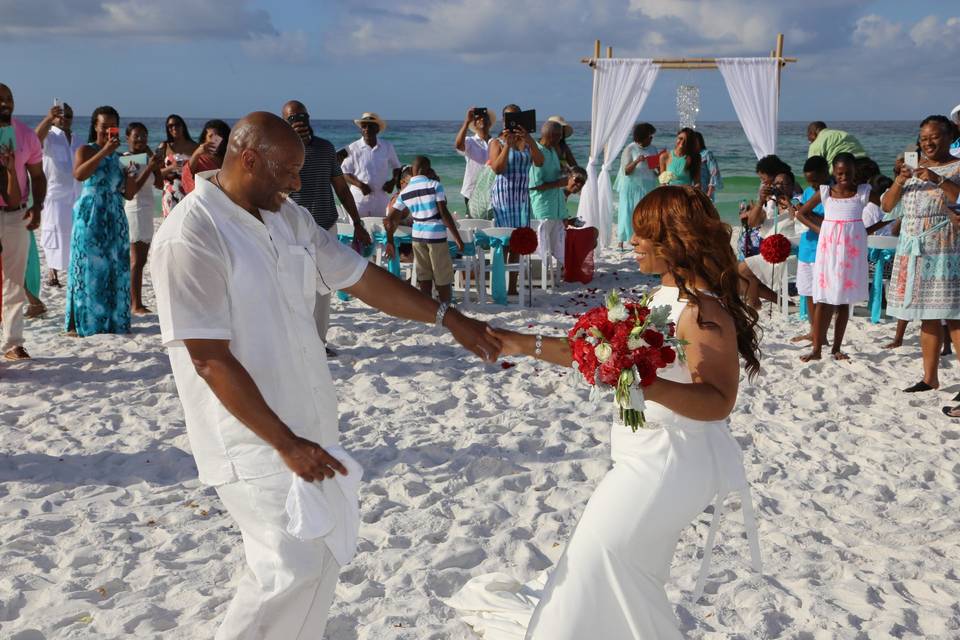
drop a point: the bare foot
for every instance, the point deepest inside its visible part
(806, 337)
(35, 310)
(71, 334)
(17, 353)
(896, 344)
(813, 355)
(140, 311)
(840, 355)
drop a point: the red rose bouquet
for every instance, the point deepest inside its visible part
(621, 346)
(775, 249)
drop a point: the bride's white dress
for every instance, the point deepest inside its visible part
(609, 583)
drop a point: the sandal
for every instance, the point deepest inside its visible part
(920, 386)
(951, 412)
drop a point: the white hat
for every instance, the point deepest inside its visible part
(370, 116)
(955, 114)
(567, 127)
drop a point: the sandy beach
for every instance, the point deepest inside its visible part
(105, 531)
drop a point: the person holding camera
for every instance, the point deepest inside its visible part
(548, 181)
(98, 283)
(925, 283)
(320, 177)
(474, 148)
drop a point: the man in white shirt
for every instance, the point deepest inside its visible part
(371, 167)
(473, 148)
(59, 148)
(236, 268)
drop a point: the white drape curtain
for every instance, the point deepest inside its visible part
(752, 84)
(620, 88)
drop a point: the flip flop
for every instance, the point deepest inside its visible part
(956, 398)
(920, 386)
(947, 411)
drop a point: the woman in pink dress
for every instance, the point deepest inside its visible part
(840, 273)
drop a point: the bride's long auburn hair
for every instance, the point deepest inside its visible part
(690, 237)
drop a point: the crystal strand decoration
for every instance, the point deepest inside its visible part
(688, 105)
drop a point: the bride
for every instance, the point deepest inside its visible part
(609, 583)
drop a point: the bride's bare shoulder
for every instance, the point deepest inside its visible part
(706, 314)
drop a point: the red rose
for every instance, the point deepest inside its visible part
(775, 249)
(653, 338)
(668, 355)
(647, 372)
(610, 372)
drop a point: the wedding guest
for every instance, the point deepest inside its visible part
(637, 176)
(98, 284)
(682, 164)
(59, 146)
(426, 202)
(259, 401)
(176, 151)
(760, 278)
(474, 148)
(139, 211)
(371, 167)
(17, 223)
(873, 217)
(925, 284)
(209, 153)
(816, 172)
(320, 178)
(955, 119)
(710, 179)
(840, 270)
(547, 182)
(830, 142)
(753, 214)
(567, 161)
(512, 153)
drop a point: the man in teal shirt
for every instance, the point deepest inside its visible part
(829, 142)
(548, 206)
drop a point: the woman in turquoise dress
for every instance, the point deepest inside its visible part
(635, 178)
(683, 163)
(98, 287)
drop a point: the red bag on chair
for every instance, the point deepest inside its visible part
(578, 254)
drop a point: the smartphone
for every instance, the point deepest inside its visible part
(479, 112)
(113, 132)
(525, 119)
(911, 159)
(57, 103)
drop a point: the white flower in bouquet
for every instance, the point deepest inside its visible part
(616, 310)
(666, 177)
(603, 351)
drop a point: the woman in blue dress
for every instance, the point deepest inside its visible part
(510, 157)
(98, 287)
(682, 165)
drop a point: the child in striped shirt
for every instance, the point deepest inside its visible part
(426, 203)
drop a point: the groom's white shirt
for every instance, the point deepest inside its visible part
(221, 274)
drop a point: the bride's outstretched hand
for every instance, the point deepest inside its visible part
(511, 342)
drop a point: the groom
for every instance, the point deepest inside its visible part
(236, 268)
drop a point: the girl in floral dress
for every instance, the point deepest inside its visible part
(840, 273)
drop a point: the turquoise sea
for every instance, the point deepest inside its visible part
(883, 140)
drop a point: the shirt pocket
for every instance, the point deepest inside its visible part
(298, 276)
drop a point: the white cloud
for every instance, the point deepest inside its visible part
(167, 20)
(936, 33)
(287, 46)
(875, 32)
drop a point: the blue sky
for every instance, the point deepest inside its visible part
(430, 59)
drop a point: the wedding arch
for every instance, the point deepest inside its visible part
(620, 89)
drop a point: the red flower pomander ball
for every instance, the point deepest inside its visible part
(775, 249)
(523, 240)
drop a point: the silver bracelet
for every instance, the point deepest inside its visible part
(441, 313)
(538, 346)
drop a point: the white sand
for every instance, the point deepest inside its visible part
(105, 531)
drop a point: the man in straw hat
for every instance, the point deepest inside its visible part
(371, 167)
(474, 148)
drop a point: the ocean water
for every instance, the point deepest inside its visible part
(882, 140)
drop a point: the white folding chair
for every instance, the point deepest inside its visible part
(465, 267)
(522, 268)
(374, 226)
(480, 263)
(345, 229)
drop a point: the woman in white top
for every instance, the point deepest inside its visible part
(474, 148)
(140, 212)
(609, 583)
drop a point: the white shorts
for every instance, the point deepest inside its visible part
(805, 279)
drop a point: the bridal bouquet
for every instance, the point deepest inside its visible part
(620, 346)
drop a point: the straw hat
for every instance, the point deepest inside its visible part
(567, 127)
(955, 114)
(492, 115)
(370, 116)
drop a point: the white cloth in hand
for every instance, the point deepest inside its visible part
(328, 509)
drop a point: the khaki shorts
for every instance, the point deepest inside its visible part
(433, 262)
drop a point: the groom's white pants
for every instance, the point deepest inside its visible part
(287, 588)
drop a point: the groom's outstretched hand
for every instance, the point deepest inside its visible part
(309, 460)
(473, 335)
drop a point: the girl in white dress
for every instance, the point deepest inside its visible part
(840, 273)
(609, 583)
